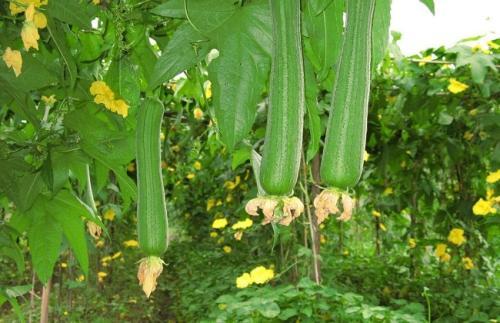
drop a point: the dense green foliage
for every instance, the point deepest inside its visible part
(423, 242)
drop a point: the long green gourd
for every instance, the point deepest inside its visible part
(283, 142)
(343, 153)
(152, 221)
(342, 160)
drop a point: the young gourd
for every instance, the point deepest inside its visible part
(152, 222)
(282, 147)
(342, 160)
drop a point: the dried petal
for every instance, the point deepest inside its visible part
(149, 270)
(253, 206)
(326, 203)
(94, 229)
(348, 206)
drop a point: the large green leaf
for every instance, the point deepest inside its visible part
(429, 4)
(380, 30)
(45, 238)
(314, 120)
(22, 103)
(75, 12)
(122, 78)
(238, 74)
(57, 34)
(33, 75)
(68, 211)
(185, 49)
(323, 27)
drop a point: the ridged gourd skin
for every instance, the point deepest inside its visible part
(283, 141)
(343, 153)
(152, 223)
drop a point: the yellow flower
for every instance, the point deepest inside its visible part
(190, 176)
(229, 198)
(198, 113)
(493, 177)
(468, 135)
(382, 227)
(456, 237)
(412, 243)
(425, 60)
(104, 95)
(106, 259)
(49, 100)
(210, 204)
(18, 6)
(101, 275)
(322, 239)
(116, 255)
(30, 35)
(376, 213)
(456, 86)
(227, 249)
(242, 225)
(208, 89)
(40, 20)
(197, 165)
(80, 278)
(261, 275)
(467, 262)
(13, 59)
(213, 234)
(366, 156)
(96, 2)
(218, 202)
(109, 215)
(244, 281)
(473, 112)
(64, 265)
(345, 252)
(230, 185)
(440, 250)
(483, 207)
(162, 136)
(219, 223)
(445, 258)
(388, 191)
(131, 243)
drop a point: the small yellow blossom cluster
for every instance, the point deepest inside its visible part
(455, 86)
(456, 236)
(487, 206)
(231, 185)
(34, 20)
(106, 260)
(259, 275)
(131, 243)
(412, 243)
(101, 275)
(468, 263)
(211, 203)
(109, 215)
(219, 223)
(441, 252)
(104, 95)
(198, 113)
(240, 226)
